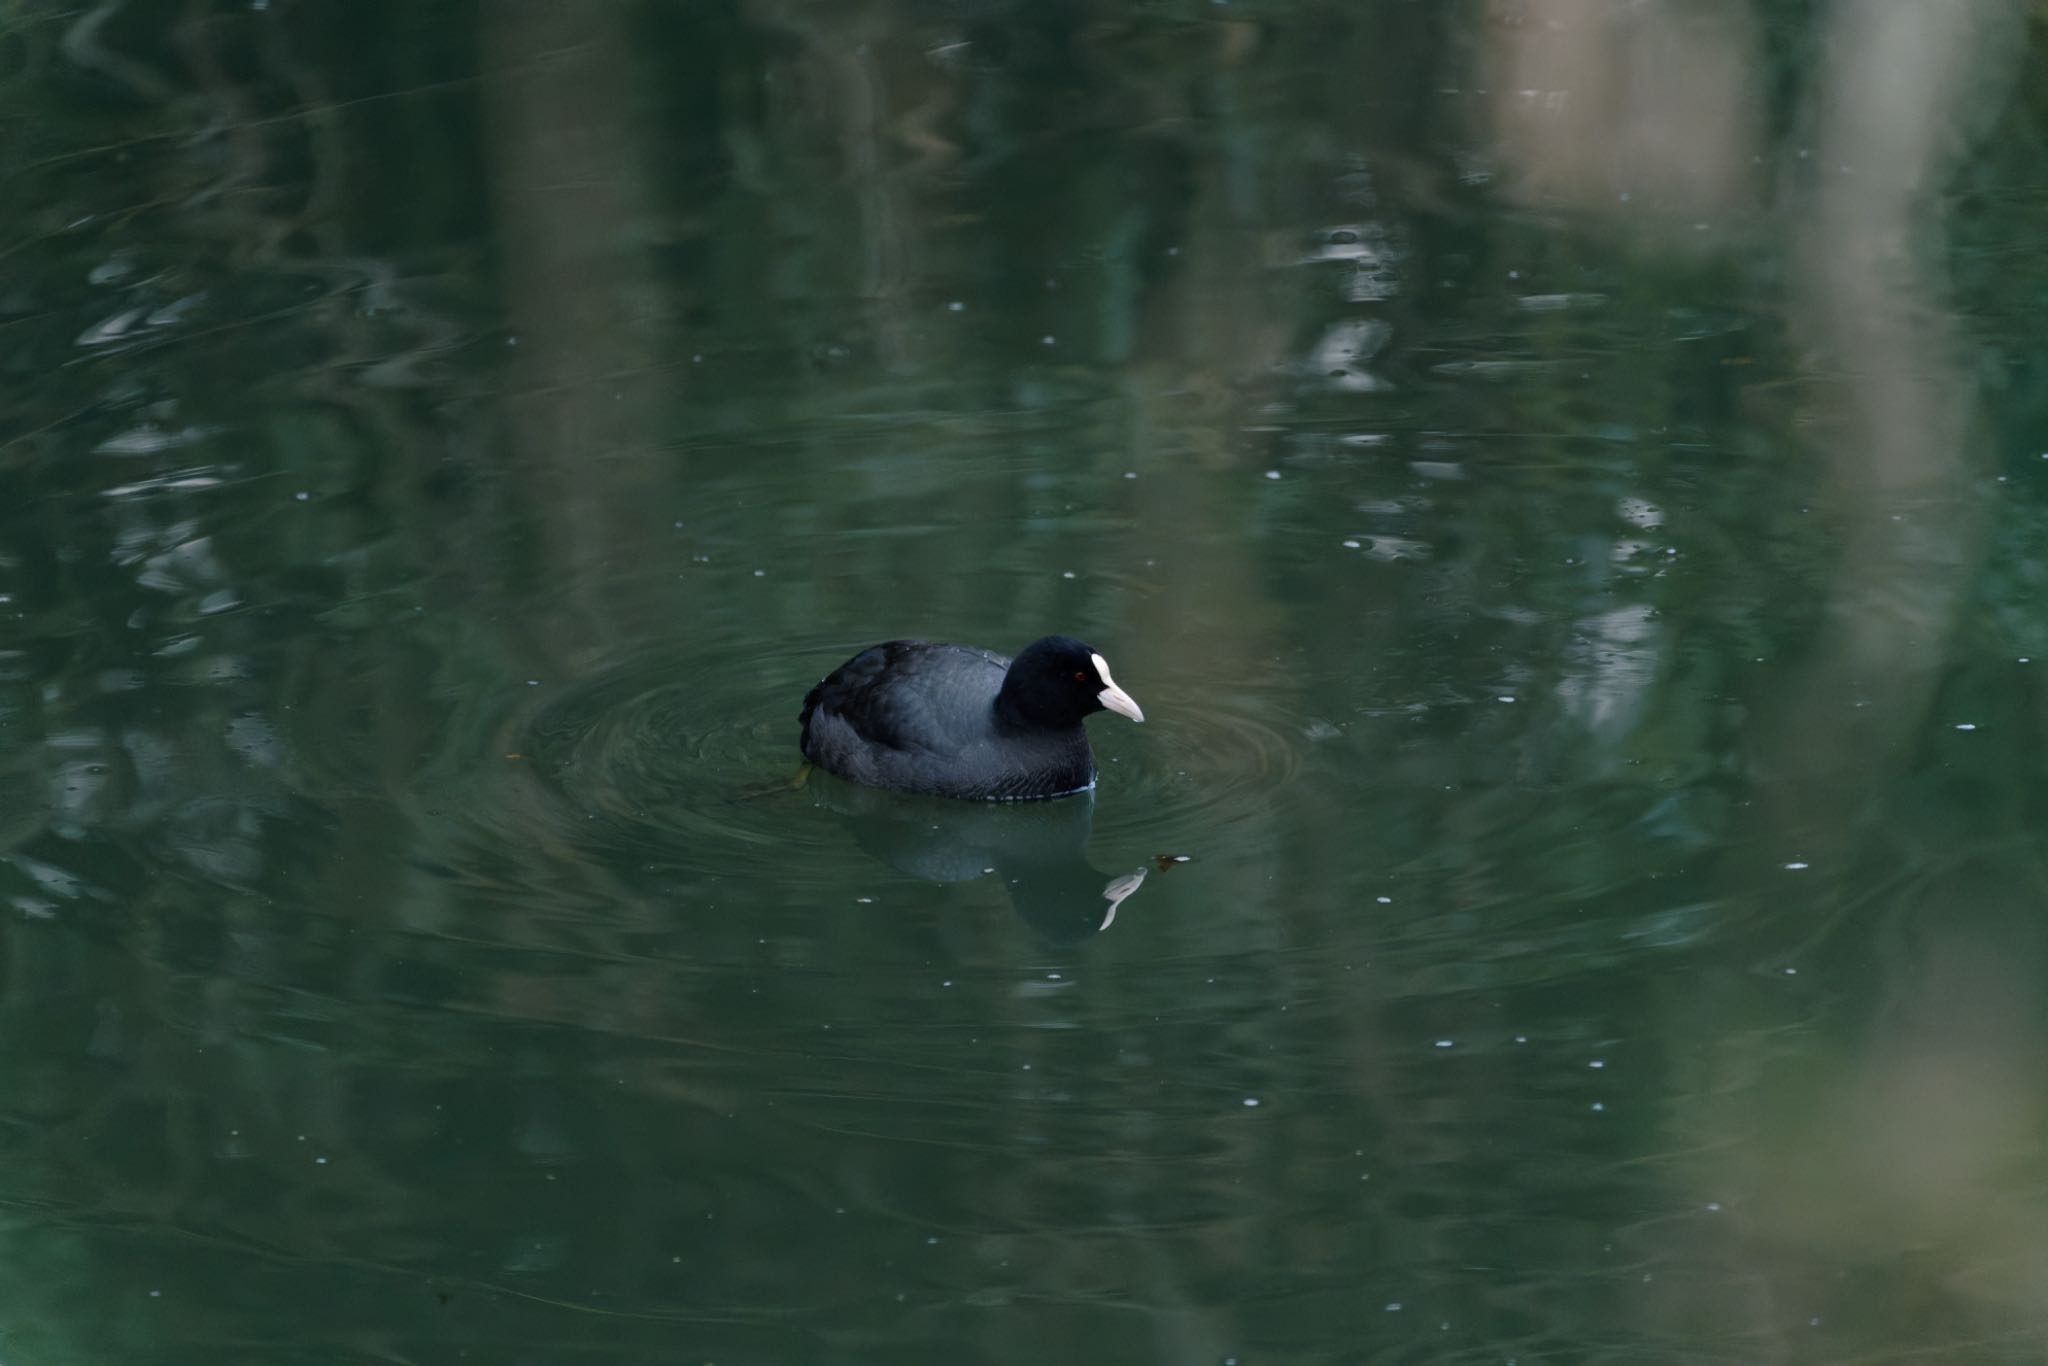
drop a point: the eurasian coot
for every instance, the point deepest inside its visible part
(954, 721)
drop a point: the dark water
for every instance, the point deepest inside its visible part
(1566, 482)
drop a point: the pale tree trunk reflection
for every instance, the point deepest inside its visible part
(563, 140)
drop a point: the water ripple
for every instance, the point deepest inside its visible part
(686, 759)
(1204, 762)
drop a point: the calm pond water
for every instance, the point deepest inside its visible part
(1568, 484)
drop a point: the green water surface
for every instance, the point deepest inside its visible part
(1568, 483)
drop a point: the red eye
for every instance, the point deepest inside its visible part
(1080, 676)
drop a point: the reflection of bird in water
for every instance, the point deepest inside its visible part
(1039, 850)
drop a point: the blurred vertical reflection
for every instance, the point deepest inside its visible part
(583, 312)
(1638, 113)
(1898, 96)
(1645, 110)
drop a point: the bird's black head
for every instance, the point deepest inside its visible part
(1058, 681)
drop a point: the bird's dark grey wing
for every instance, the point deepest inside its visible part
(903, 695)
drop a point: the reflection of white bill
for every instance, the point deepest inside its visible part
(1116, 891)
